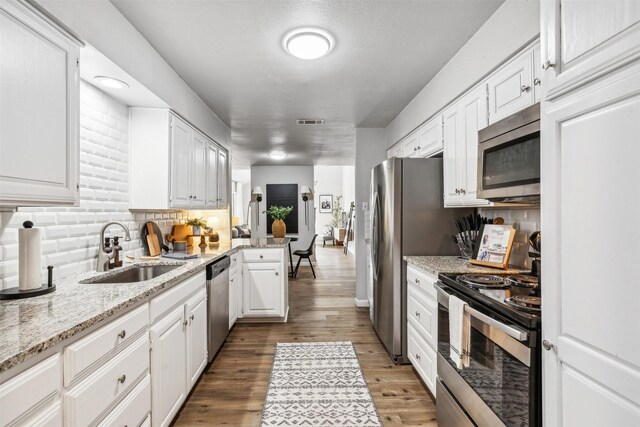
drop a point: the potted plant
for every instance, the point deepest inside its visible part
(197, 224)
(278, 213)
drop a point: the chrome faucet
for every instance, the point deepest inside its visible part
(103, 256)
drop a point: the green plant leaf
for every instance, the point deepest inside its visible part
(278, 212)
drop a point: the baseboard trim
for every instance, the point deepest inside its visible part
(361, 302)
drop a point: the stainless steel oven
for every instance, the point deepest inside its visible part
(509, 158)
(501, 384)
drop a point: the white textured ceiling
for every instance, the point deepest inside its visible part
(230, 53)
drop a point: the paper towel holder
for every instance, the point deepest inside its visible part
(16, 293)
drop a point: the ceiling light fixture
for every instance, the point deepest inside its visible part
(277, 155)
(308, 43)
(110, 82)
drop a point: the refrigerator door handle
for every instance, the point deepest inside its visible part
(375, 238)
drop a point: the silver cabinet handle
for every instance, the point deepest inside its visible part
(194, 197)
(417, 314)
(547, 64)
(185, 323)
(536, 82)
(417, 281)
(122, 379)
(277, 274)
(417, 356)
(462, 191)
(122, 334)
(547, 345)
(193, 316)
(457, 191)
(524, 88)
(261, 256)
(190, 197)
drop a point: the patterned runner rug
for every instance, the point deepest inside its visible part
(318, 384)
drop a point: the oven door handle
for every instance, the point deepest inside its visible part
(512, 331)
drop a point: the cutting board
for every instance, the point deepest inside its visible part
(180, 233)
(156, 231)
(152, 241)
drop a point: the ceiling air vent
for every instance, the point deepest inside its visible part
(309, 122)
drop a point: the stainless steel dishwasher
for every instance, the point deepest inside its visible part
(218, 300)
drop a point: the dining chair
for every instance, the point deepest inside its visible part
(305, 253)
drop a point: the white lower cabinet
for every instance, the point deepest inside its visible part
(22, 396)
(168, 367)
(196, 316)
(178, 346)
(264, 283)
(422, 324)
(233, 300)
(87, 401)
(134, 409)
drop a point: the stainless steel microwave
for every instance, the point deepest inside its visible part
(509, 158)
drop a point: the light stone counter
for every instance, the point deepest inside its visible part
(32, 325)
(454, 264)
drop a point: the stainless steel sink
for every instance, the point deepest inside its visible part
(136, 274)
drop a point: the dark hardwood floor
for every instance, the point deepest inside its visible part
(232, 390)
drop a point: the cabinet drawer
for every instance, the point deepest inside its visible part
(20, 394)
(133, 409)
(81, 355)
(169, 299)
(85, 402)
(422, 280)
(424, 314)
(422, 357)
(262, 255)
(51, 416)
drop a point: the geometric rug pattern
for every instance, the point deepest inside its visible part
(318, 384)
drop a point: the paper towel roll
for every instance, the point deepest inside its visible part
(30, 258)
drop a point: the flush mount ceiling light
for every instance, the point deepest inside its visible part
(277, 155)
(308, 43)
(110, 82)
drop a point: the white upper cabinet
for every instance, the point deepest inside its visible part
(462, 120)
(39, 104)
(173, 165)
(199, 144)
(511, 88)
(395, 151)
(223, 179)
(430, 137)
(583, 40)
(211, 196)
(410, 146)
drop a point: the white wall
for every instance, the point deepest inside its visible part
(511, 27)
(100, 24)
(71, 235)
(370, 150)
(301, 175)
(336, 181)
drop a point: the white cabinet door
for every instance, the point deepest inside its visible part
(223, 179)
(582, 40)
(233, 300)
(537, 74)
(211, 198)
(410, 147)
(39, 99)
(473, 110)
(430, 137)
(181, 135)
(511, 88)
(168, 367)
(263, 288)
(196, 316)
(590, 155)
(198, 169)
(451, 139)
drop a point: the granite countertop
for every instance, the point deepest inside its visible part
(33, 325)
(455, 264)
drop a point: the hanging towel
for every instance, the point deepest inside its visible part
(459, 332)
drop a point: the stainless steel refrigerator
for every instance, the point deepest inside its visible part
(407, 218)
